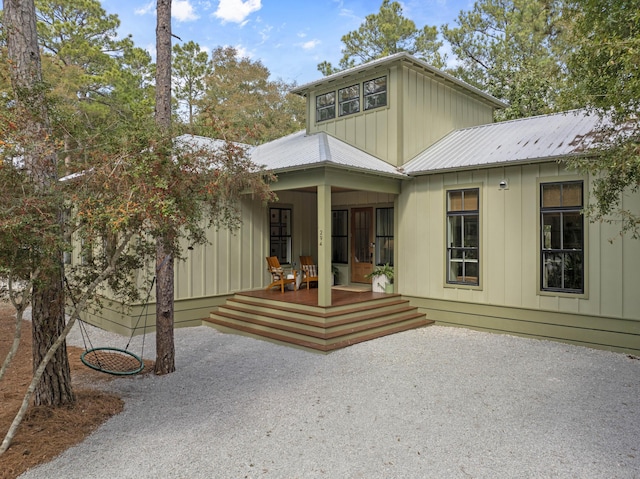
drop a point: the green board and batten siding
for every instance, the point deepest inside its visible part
(431, 109)
(509, 297)
(421, 109)
(234, 261)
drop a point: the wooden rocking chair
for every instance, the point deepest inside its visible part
(309, 270)
(278, 276)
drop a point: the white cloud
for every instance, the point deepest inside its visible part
(265, 32)
(311, 44)
(183, 11)
(145, 9)
(346, 12)
(237, 11)
(242, 52)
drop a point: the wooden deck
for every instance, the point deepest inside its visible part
(309, 297)
(294, 317)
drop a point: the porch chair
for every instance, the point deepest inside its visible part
(278, 275)
(309, 270)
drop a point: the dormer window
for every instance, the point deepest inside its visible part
(349, 100)
(375, 93)
(326, 106)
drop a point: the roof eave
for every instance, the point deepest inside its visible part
(523, 161)
(399, 57)
(330, 164)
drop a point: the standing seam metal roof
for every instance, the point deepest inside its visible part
(529, 139)
(300, 151)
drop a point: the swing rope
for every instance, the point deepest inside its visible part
(111, 360)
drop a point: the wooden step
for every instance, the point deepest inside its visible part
(319, 321)
(318, 311)
(315, 327)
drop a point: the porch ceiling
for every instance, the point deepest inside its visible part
(334, 189)
(309, 179)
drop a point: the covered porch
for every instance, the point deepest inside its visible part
(336, 204)
(296, 318)
(323, 183)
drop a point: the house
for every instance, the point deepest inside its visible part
(400, 163)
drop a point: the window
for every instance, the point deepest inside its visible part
(463, 236)
(326, 106)
(280, 237)
(562, 241)
(339, 236)
(349, 100)
(86, 252)
(384, 236)
(375, 93)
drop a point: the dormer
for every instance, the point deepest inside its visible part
(394, 107)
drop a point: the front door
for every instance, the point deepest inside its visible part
(361, 244)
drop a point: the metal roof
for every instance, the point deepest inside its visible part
(539, 138)
(301, 151)
(439, 75)
(197, 142)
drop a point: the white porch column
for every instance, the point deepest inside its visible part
(324, 245)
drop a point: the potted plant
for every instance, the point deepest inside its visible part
(382, 279)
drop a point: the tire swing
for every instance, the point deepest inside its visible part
(112, 360)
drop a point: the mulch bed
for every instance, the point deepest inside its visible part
(46, 432)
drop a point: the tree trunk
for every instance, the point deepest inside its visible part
(37, 375)
(163, 65)
(165, 349)
(40, 159)
(79, 305)
(54, 388)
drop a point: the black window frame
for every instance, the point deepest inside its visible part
(281, 233)
(467, 224)
(328, 106)
(349, 97)
(562, 240)
(384, 237)
(375, 96)
(340, 236)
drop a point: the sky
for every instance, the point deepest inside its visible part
(289, 37)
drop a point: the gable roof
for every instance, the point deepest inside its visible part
(300, 151)
(410, 61)
(527, 140)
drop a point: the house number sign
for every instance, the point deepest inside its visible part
(320, 236)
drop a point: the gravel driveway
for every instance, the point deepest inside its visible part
(435, 402)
